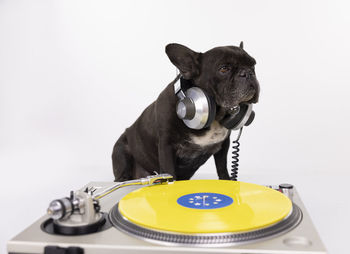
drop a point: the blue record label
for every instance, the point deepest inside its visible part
(204, 200)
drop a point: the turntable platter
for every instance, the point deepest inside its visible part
(205, 206)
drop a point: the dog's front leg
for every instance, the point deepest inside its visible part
(166, 157)
(221, 160)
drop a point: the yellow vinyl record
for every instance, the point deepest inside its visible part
(205, 206)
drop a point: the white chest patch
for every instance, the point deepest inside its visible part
(215, 134)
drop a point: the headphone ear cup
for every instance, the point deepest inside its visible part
(212, 110)
(203, 109)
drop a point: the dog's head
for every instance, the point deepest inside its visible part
(224, 73)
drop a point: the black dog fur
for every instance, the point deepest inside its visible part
(159, 141)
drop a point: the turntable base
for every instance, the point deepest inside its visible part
(296, 234)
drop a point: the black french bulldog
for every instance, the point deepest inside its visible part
(160, 141)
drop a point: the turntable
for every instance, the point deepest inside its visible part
(165, 216)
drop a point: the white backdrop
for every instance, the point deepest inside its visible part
(74, 75)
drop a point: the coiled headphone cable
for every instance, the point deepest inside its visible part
(235, 156)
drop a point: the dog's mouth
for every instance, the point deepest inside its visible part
(221, 111)
(248, 97)
(224, 109)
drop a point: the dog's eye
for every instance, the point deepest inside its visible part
(224, 69)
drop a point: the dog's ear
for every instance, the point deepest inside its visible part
(241, 45)
(185, 59)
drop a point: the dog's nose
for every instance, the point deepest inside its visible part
(244, 73)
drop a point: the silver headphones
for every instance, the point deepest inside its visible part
(197, 109)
